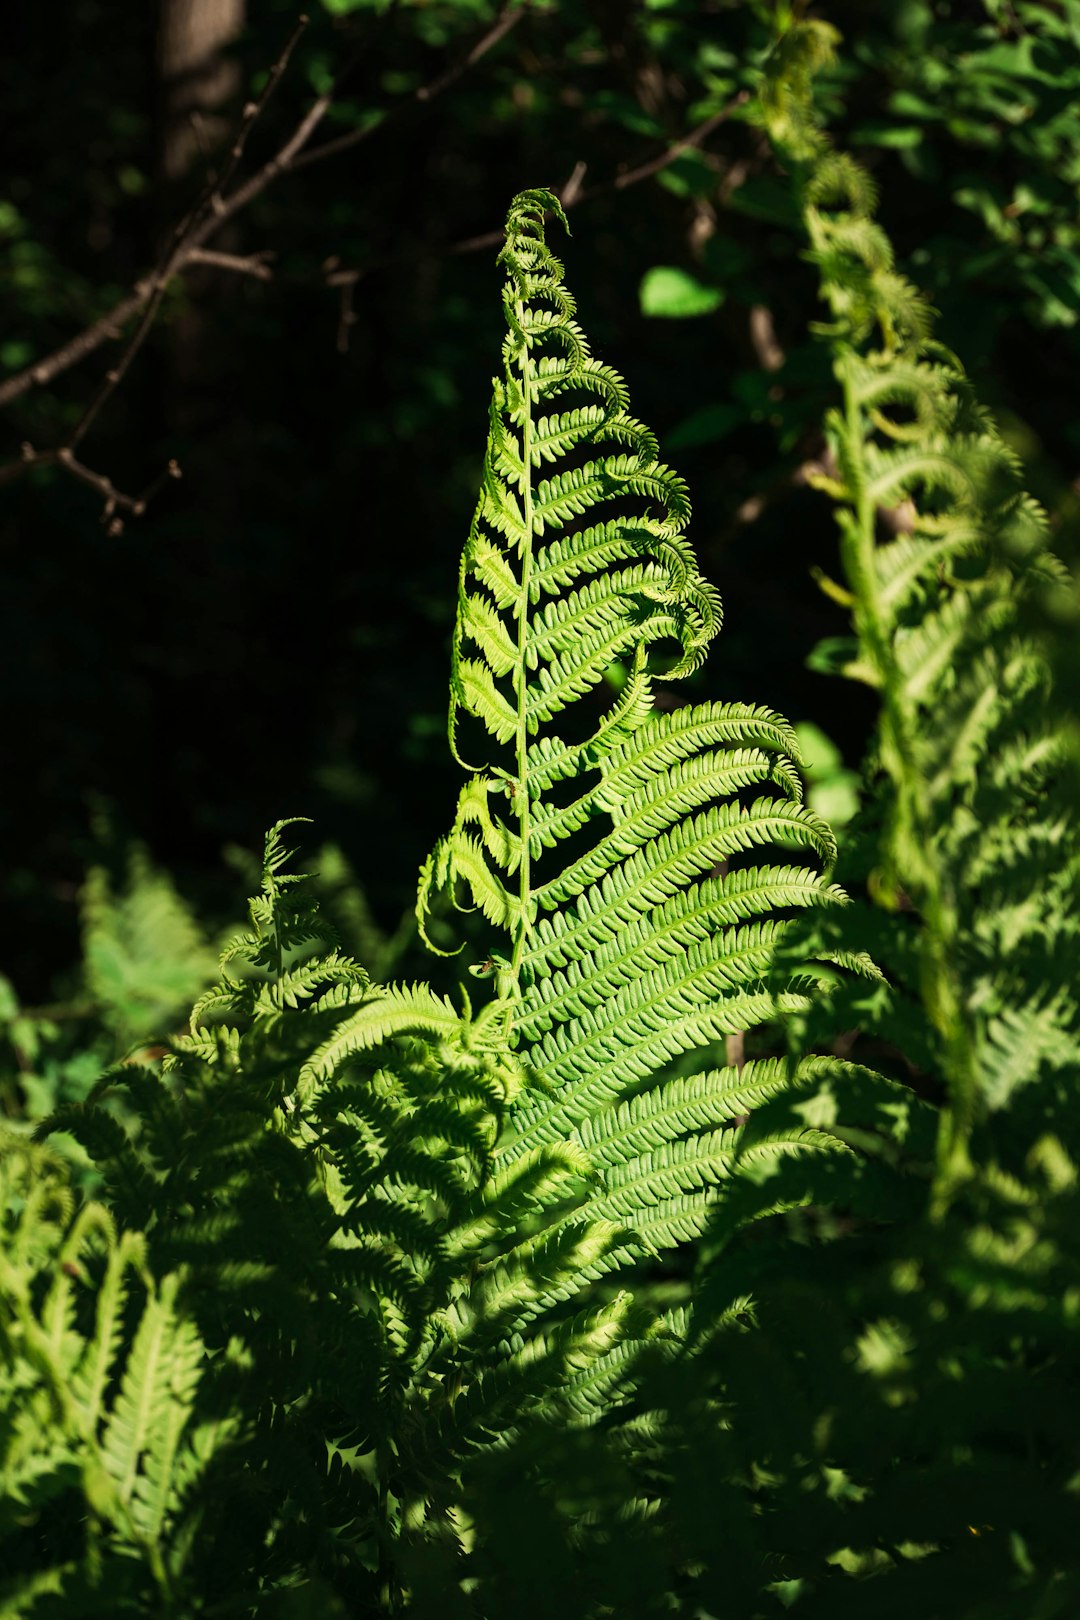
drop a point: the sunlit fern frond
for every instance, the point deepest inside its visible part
(635, 866)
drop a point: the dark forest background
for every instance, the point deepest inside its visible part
(270, 636)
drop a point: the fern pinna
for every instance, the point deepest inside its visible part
(608, 845)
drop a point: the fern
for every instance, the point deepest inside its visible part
(98, 1398)
(979, 764)
(883, 1383)
(145, 956)
(384, 1226)
(314, 1171)
(630, 927)
(903, 1405)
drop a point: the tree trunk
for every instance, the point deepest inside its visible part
(198, 84)
(197, 79)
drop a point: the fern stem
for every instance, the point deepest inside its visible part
(521, 674)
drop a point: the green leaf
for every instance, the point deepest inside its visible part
(675, 294)
(897, 136)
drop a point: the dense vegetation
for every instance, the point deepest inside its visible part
(710, 1246)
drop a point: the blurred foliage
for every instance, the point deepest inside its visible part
(833, 789)
(144, 959)
(145, 955)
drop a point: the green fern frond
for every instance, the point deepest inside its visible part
(684, 1105)
(546, 608)
(978, 756)
(129, 1180)
(96, 1434)
(784, 94)
(614, 851)
(92, 1379)
(161, 1374)
(154, 1499)
(145, 955)
(392, 1011)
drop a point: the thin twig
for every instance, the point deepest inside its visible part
(249, 264)
(168, 474)
(77, 348)
(198, 129)
(112, 497)
(571, 191)
(631, 177)
(254, 109)
(187, 248)
(116, 374)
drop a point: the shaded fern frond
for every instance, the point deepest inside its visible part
(978, 751)
(101, 1372)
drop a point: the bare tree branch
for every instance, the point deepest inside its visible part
(77, 348)
(248, 264)
(208, 213)
(570, 192)
(696, 137)
(214, 209)
(187, 248)
(767, 347)
(184, 243)
(254, 110)
(112, 497)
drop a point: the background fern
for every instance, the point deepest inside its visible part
(103, 1446)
